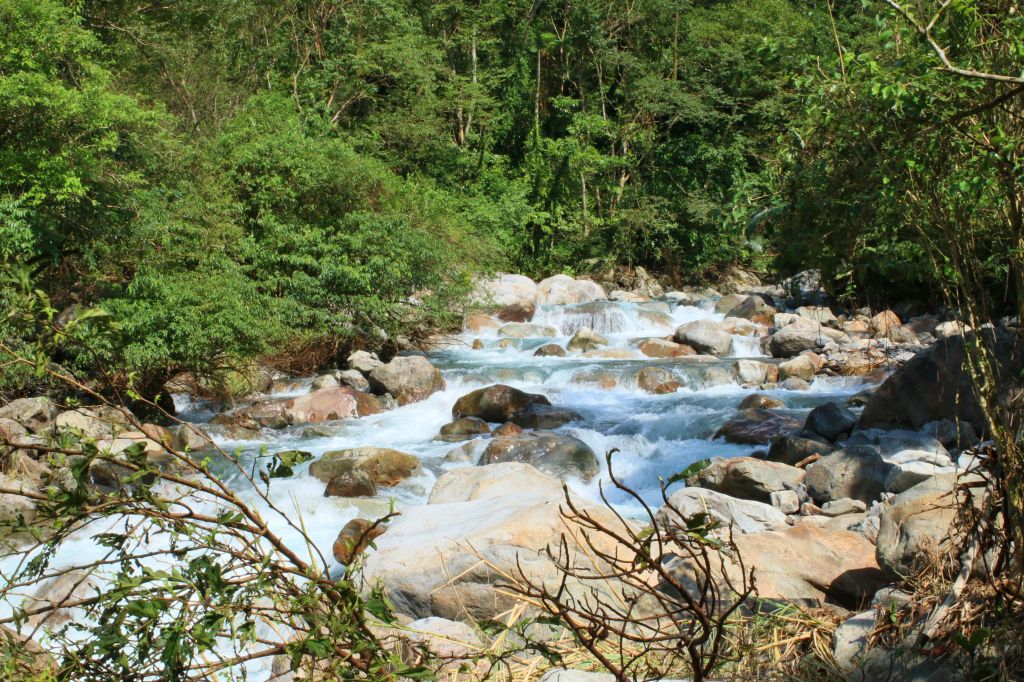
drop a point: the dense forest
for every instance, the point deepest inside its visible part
(232, 180)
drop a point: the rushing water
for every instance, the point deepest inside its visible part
(656, 435)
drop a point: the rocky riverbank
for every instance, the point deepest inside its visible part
(828, 445)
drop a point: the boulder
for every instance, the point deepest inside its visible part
(564, 290)
(831, 421)
(15, 504)
(843, 507)
(478, 323)
(728, 302)
(354, 538)
(363, 361)
(463, 428)
(806, 565)
(906, 475)
(795, 449)
(757, 427)
(324, 381)
(452, 559)
(485, 482)
(885, 323)
(190, 437)
(792, 340)
(93, 422)
(408, 379)
(857, 472)
(759, 401)
(497, 403)
(931, 386)
(819, 315)
(34, 414)
(657, 380)
(508, 429)
(556, 454)
(752, 308)
(354, 483)
(743, 516)
(754, 373)
(748, 478)
(552, 350)
(915, 526)
(329, 404)
(525, 330)
(508, 293)
(454, 646)
(705, 336)
(786, 501)
(384, 466)
(586, 339)
(800, 367)
(353, 378)
(662, 348)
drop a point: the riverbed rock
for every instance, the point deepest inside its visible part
(857, 472)
(884, 324)
(663, 348)
(35, 414)
(363, 361)
(931, 386)
(793, 340)
(505, 290)
(705, 336)
(563, 290)
(540, 416)
(454, 646)
(743, 516)
(450, 558)
(329, 404)
(819, 315)
(324, 381)
(586, 339)
(795, 449)
(550, 350)
(831, 421)
(353, 378)
(657, 380)
(354, 483)
(354, 538)
(93, 422)
(748, 478)
(494, 480)
(556, 454)
(479, 323)
(190, 437)
(916, 526)
(754, 372)
(384, 466)
(526, 330)
(463, 428)
(409, 379)
(800, 367)
(759, 401)
(842, 507)
(752, 308)
(498, 403)
(757, 427)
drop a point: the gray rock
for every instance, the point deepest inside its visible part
(540, 416)
(705, 336)
(795, 449)
(744, 516)
(408, 379)
(353, 378)
(830, 421)
(857, 472)
(325, 381)
(526, 330)
(792, 340)
(363, 361)
(800, 367)
(748, 478)
(786, 501)
(556, 454)
(757, 427)
(842, 507)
